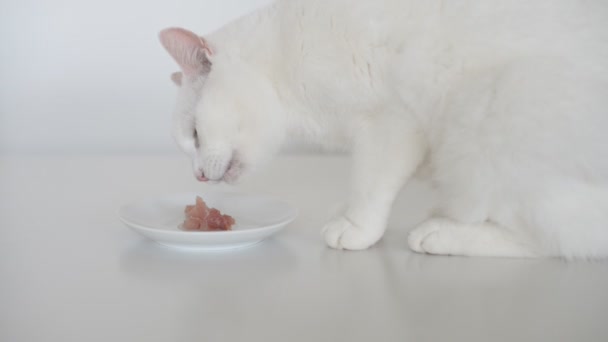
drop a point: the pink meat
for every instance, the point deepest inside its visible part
(200, 217)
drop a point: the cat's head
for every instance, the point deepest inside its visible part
(227, 117)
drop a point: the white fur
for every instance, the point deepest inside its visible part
(503, 105)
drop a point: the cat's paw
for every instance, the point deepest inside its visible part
(433, 236)
(341, 233)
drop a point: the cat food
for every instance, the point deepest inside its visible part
(200, 217)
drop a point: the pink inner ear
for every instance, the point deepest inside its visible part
(190, 51)
(208, 49)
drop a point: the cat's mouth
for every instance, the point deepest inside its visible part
(232, 173)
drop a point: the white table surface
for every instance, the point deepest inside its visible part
(70, 271)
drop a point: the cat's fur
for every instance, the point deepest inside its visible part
(503, 105)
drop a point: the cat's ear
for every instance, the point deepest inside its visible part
(191, 52)
(176, 77)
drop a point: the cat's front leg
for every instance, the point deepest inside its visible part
(387, 149)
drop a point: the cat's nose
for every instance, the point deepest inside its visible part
(201, 177)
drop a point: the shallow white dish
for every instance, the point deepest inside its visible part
(257, 218)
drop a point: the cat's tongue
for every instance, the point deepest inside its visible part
(202, 178)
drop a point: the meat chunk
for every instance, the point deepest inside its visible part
(200, 217)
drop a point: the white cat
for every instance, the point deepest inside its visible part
(503, 105)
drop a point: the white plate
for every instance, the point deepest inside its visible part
(256, 218)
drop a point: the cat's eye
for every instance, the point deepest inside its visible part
(195, 136)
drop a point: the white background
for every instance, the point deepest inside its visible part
(90, 76)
